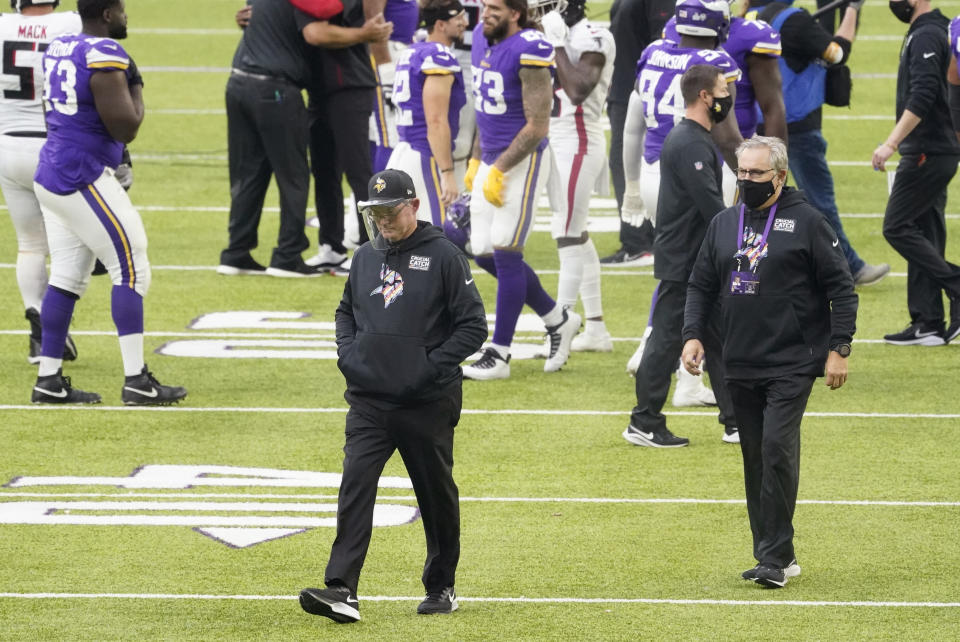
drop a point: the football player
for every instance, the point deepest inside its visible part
(754, 46)
(585, 55)
(513, 68)
(24, 36)
(93, 95)
(428, 93)
(405, 16)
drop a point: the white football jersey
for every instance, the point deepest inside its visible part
(23, 39)
(567, 119)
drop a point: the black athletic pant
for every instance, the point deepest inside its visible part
(339, 144)
(266, 135)
(769, 413)
(914, 226)
(633, 239)
(424, 436)
(661, 355)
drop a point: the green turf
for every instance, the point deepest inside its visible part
(624, 548)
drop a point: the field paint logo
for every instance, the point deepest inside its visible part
(237, 531)
(315, 339)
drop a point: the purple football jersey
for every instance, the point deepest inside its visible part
(415, 64)
(658, 83)
(746, 37)
(78, 145)
(955, 37)
(497, 92)
(405, 16)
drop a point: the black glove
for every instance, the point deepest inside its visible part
(133, 74)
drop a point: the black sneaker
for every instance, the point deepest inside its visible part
(57, 389)
(662, 438)
(731, 435)
(36, 337)
(916, 335)
(769, 576)
(623, 258)
(953, 330)
(144, 390)
(297, 271)
(751, 573)
(335, 602)
(792, 570)
(239, 267)
(439, 603)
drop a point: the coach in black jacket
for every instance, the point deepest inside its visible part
(690, 195)
(788, 311)
(410, 314)
(914, 223)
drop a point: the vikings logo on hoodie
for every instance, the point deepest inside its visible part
(391, 287)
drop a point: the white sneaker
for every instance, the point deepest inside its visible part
(490, 366)
(634, 363)
(793, 570)
(561, 336)
(326, 258)
(586, 342)
(690, 391)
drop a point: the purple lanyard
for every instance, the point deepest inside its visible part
(766, 229)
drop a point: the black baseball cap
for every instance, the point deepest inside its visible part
(389, 187)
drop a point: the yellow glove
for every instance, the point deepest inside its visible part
(472, 168)
(493, 187)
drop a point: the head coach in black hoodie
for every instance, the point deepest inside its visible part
(410, 314)
(788, 313)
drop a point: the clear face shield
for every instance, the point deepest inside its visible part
(383, 212)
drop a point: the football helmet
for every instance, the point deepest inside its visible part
(456, 226)
(575, 11)
(703, 18)
(17, 5)
(536, 9)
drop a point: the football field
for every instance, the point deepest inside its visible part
(203, 521)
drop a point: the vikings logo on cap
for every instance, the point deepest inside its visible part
(380, 185)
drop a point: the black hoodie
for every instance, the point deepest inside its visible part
(806, 301)
(410, 314)
(922, 86)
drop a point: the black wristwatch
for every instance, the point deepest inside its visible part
(843, 349)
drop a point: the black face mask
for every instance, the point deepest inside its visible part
(720, 108)
(755, 194)
(902, 10)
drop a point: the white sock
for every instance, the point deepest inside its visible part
(49, 366)
(503, 351)
(32, 278)
(131, 351)
(595, 327)
(554, 316)
(590, 285)
(571, 274)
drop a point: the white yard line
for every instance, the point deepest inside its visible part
(507, 500)
(513, 600)
(466, 411)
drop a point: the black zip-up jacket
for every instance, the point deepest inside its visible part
(410, 314)
(691, 194)
(806, 302)
(922, 86)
